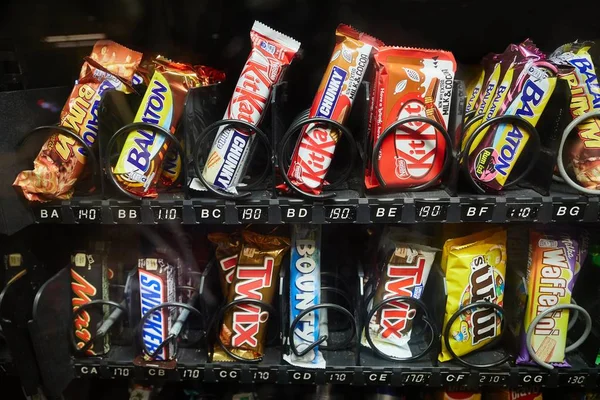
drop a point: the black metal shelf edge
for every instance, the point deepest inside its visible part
(405, 375)
(521, 206)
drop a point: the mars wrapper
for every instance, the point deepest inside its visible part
(62, 160)
(553, 266)
(244, 326)
(405, 274)
(271, 53)
(316, 144)
(410, 83)
(305, 292)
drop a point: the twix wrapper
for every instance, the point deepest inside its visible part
(315, 147)
(89, 281)
(227, 253)
(245, 326)
(272, 52)
(551, 273)
(62, 159)
(404, 274)
(410, 83)
(585, 97)
(141, 160)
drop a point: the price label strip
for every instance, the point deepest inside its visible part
(227, 375)
(87, 215)
(415, 378)
(172, 214)
(385, 213)
(209, 214)
(522, 211)
(296, 213)
(126, 215)
(191, 373)
(340, 214)
(431, 210)
(568, 211)
(302, 376)
(46, 215)
(339, 377)
(253, 214)
(120, 371)
(493, 378)
(263, 375)
(477, 212)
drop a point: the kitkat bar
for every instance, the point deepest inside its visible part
(89, 281)
(157, 285)
(272, 52)
(62, 159)
(409, 83)
(316, 144)
(256, 277)
(142, 158)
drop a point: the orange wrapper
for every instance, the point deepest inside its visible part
(62, 160)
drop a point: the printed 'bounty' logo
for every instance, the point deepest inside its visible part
(532, 95)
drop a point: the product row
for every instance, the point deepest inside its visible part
(458, 305)
(141, 125)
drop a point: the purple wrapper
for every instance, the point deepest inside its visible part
(550, 250)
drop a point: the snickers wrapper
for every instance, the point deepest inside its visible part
(227, 253)
(404, 274)
(89, 281)
(305, 291)
(245, 326)
(271, 53)
(551, 273)
(157, 285)
(316, 144)
(410, 83)
(62, 160)
(141, 162)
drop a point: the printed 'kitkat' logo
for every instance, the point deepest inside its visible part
(415, 143)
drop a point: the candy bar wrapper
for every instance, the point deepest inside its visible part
(316, 144)
(62, 160)
(305, 292)
(227, 253)
(584, 150)
(457, 396)
(410, 83)
(551, 273)
(245, 326)
(89, 281)
(141, 160)
(514, 395)
(473, 91)
(404, 274)
(157, 285)
(499, 149)
(272, 52)
(475, 269)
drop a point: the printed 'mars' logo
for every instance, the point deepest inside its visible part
(483, 288)
(332, 92)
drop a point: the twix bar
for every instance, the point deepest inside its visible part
(62, 160)
(245, 326)
(315, 147)
(271, 53)
(226, 253)
(408, 83)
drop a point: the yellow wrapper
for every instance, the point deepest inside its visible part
(473, 91)
(475, 268)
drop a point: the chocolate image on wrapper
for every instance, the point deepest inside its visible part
(410, 83)
(244, 327)
(89, 282)
(305, 291)
(404, 274)
(157, 285)
(227, 253)
(141, 162)
(272, 52)
(554, 260)
(61, 161)
(316, 144)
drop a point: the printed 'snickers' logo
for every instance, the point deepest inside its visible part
(151, 295)
(415, 143)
